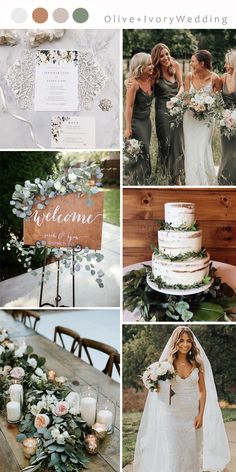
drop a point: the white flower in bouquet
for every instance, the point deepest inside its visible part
(1, 350)
(6, 370)
(21, 350)
(3, 334)
(72, 177)
(73, 400)
(209, 100)
(61, 438)
(35, 410)
(228, 123)
(32, 362)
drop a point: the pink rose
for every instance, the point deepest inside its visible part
(61, 408)
(41, 421)
(6, 370)
(17, 373)
(169, 105)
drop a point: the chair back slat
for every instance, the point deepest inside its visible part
(113, 354)
(74, 335)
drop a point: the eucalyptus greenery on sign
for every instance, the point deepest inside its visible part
(210, 305)
(50, 409)
(39, 193)
(168, 226)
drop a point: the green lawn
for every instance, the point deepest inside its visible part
(130, 429)
(112, 206)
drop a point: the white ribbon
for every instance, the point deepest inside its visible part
(18, 117)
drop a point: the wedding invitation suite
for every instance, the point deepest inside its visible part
(56, 80)
(72, 132)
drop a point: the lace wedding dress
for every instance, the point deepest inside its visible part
(167, 440)
(198, 160)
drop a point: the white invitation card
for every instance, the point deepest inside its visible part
(56, 80)
(72, 132)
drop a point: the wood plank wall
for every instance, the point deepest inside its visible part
(215, 213)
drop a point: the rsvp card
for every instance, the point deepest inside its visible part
(56, 80)
(72, 132)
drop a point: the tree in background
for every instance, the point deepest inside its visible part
(143, 345)
(182, 43)
(16, 168)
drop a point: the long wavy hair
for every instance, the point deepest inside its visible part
(137, 64)
(193, 356)
(155, 55)
(230, 58)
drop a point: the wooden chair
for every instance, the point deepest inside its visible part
(117, 362)
(113, 354)
(60, 330)
(30, 318)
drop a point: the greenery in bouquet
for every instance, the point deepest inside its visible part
(176, 107)
(50, 410)
(156, 372)
(204, 106)
(228, 123)
(209, 305)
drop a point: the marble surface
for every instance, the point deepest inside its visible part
(105, 45)
(227, 273)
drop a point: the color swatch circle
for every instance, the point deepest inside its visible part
(19, 15)
(80, 15)
(60, 15)
(40, 15)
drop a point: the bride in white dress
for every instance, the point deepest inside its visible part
(199, 164)
(187, 435)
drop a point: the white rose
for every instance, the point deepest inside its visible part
(35, 379)
(32, 362)
(209, 100)
(73, 399)
(21, 351)
(62, 189)
(54, 433)
(39, 372)
(35, 410)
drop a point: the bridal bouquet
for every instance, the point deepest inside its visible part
(156, 372)
(176, 107)
(228, 123)
(132, 149)
(205, 105)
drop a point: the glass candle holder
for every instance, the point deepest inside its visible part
(91, 444)
(16, 392)
(88, 404)
(106, 413)
(29, 447)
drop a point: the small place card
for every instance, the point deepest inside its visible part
(72, 132)
(56, 80)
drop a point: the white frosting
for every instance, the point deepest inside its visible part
(180, 213)
(174, 243)
(189, 272)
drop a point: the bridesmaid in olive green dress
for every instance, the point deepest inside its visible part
(227, 171)
(169, 83)
(139, 98)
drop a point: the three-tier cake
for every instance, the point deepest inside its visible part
(180, 259)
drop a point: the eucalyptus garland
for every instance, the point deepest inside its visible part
(209, 305)
(39, 193)
(162, 284)
(181, 257)
(50, 410)
(169, 227)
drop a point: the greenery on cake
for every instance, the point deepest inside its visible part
(180, 257)
(161, 284)
(212, 304)
(168, 226)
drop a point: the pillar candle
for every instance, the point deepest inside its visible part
(88, 410)
(105, 417)
(13, 412)
(16, 393)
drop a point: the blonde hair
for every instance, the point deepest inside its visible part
(230, 58)
(155, 55)
(138, 63)
(193, 356)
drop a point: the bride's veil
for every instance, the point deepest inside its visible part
(150, 447)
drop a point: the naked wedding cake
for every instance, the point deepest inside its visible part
(179, 259)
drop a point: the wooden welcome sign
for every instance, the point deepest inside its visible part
(67, 221)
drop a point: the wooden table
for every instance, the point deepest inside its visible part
(76, 370)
